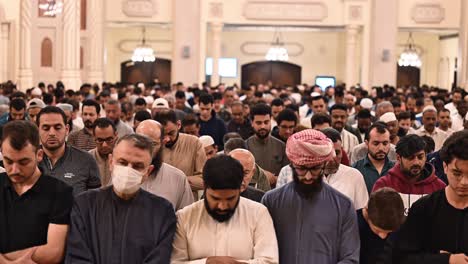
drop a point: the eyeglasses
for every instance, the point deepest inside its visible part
(108, 140)
(302, 171)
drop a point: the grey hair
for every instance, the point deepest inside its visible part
(383, 104)
(139, 141)
(113, 102)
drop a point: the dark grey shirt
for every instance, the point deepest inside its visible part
(76, 167)
(270, 154)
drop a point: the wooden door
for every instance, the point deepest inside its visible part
(280, 73)
(146, 72)
(408, 76)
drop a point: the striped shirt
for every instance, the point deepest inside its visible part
(82, 139)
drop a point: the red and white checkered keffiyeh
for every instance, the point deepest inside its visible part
(309, 148)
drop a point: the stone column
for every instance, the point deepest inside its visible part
(462, 71)
(25, 76)
(70, 74)
(187, 60)
(95, 16)
(381, 44)
(216, 29)
(4, 36)
(352, 32)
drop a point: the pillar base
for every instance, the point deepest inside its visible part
(95, 77)
(25, 79)
(71, 79)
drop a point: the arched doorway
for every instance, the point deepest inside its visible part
(146, 72)
(279, 72)
(408, 76)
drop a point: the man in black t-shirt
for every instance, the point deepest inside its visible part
(34, 208)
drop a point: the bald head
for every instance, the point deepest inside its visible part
(248, 163)
(151, 129)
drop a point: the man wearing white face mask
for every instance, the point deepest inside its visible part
(123, 223)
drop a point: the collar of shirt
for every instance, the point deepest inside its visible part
(368, 163)
(60, 160)
(36, 188)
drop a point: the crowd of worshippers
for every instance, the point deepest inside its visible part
(224, 175)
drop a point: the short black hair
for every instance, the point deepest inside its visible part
(260, 109)
(332, 134)
(223, 172)
(364, 114)
(90, 102)
(410, 145)
(234, 143)
(430, 144)
(455, 147)
(17, 104)
(104, 122)
(320, 118)
(230, 135)
(286, 115)
(217, 96)
(404, 115)
(277, 102)
(381, 128)
(19, 133)
(50, 110)
(338, 107)
(443, 110)
(142, 115)
(165, 116)
(180, 95)
(189, 120)
(140, 101)
(206, 98)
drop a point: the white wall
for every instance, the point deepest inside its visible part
(323, 54)
(448, 51)
(120, 42)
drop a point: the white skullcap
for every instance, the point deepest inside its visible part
(366, 103)
(296, 97)
(429, 108)
(65, 107)
(206, 141)
(160, 103)
(315, 94)
(149, 100)
(36, 91)
(388, 117)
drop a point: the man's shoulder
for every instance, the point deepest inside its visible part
(157, 202)
(54, 185)
(188, 138)
(350, 171)
(278, 142)
(193, 210)
(173, 171)
(76, 152)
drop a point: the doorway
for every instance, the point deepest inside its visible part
(278, 72)
(146, 72)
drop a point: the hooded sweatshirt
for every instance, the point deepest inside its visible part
(410, 191)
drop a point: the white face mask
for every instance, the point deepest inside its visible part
(125, 179)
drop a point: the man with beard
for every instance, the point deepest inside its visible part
(165, 180)
(34, 208)
(314, 223)
(180, 150)
(436, 230)
(122, 223)
(364, 121)
(17, 111)
(443, 116)
(391, 121)
(376, 164)
(412, 177)
(113, 112)
(224, 227)
(345, 179)
(267, 150)
(339, 117)
(105, 135)
(429, 120)
(75, 167)
(83, 139)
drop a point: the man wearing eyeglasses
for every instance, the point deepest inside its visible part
(314, 223)
(105, 135)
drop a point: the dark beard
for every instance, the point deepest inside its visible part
(214, 213)
(307, 191)
(172, 143)
(260, 135)
(157, 163)
(88, 124)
